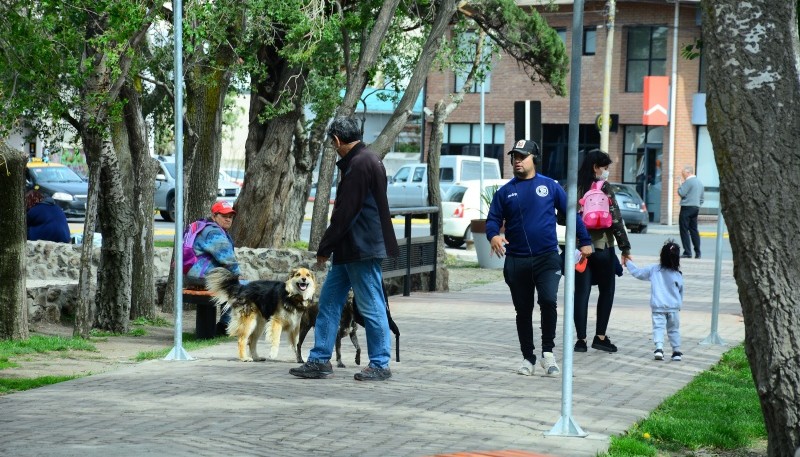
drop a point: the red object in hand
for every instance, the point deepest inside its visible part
(580, 267)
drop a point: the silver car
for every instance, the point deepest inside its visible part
(165, 188)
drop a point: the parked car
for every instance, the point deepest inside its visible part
(460, 204)
(632, 207)
(234, 175)
(409, 185)
(67, 188)
(164, 198)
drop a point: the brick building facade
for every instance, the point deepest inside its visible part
(643, 44)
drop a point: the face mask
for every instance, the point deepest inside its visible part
(603, 176)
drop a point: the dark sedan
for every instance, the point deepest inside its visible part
(59, 181)
(632, 207)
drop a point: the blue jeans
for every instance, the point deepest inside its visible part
(366, 280)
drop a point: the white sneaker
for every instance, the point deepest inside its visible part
(549, 364)
(526, 368)
(658, 354)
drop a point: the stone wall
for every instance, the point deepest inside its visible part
(53, 269)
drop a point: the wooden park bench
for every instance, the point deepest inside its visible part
(206, 316)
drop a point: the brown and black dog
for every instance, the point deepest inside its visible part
(348, 325)
(281, 303)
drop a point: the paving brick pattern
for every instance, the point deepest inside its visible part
(455, 390)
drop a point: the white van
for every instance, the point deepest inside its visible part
(409, 185)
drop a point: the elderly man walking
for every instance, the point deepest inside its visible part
(691, 193)
(359, 236)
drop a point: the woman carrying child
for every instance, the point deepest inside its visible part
(666, 297)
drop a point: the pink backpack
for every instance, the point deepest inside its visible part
(596, 208)
(194, 229)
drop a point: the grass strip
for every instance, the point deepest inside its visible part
(42, 344)
(20, 384)
(190, 342)
(718, 409)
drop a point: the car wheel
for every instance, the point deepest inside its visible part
(642, 229)
(169, 214)
(453, 242)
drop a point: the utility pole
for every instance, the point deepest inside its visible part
(605, 116)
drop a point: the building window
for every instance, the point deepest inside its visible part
(641, 159)
(589, 41)
(555, 148)
(647, 56)
(467, 43)
(465, 139)
(562, 33)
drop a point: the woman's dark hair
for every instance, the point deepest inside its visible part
(33, 198)
(671, 256)
(586, 171)
(347, 129)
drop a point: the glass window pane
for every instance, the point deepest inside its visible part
(629, 168)
(562, 33)
(659, 43)
(487, 84)
(402, 175)
(470, 170)
(446, 174)
(658, 68)
(637, 70)
(589, 41)
(639, 43)
(459, 133)
(499, 134)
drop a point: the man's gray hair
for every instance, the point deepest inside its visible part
(688, 169)
(347, 129)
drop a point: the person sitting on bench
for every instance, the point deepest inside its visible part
(213, 247)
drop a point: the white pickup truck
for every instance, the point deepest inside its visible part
(409, 185)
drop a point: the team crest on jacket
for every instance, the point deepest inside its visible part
(542, 191)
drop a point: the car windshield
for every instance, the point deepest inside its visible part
(170, 166)
(238, 174)
(55, 174)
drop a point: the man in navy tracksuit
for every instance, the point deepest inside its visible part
(526, 208)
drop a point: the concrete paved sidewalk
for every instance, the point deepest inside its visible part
(454, 390)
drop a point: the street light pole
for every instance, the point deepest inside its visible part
(605, 116)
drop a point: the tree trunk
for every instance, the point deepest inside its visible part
(754, 118)
(143, 172)
(272, 202)
(115, 216)
(444, 15)
(205, 101)
(13, 295)
(84, 313)
(357, 80)
(274, 176)
(434, 197)
(319, 218)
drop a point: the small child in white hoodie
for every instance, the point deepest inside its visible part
(666, 297)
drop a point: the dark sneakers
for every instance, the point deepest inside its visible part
(603, 345)
(580, 346)
(677, 356)
(313, 370)
(373, 374)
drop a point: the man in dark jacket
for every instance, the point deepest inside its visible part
(359, 236)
